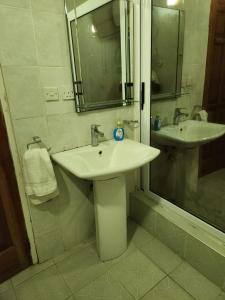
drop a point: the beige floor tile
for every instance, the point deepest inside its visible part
(169, 290)
(8, 295)
(221, 297)
(6, 291)
(161, 255)
(137, 274)
(80, 269)
(30, 272)
(103, 288)
(46, 285)
(138, 235)
(4, 286)
(195, 283)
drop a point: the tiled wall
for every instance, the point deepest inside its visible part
(34, 54)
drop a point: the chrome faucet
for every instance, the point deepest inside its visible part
(95, 133)
(178, 114)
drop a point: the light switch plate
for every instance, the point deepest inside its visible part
(51, 94)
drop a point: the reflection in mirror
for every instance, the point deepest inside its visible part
(167, 51)
(190, 172)
(100, 54)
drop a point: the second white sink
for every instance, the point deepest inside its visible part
(188, 134)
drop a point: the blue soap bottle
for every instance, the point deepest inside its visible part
(118, 132)
(157, 123)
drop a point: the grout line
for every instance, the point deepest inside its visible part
(14, 291)
(177, 283)
(16, 7)
(33, 275)
(63, 279)
(159, 267)
(152, 288)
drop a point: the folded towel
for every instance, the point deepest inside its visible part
(203, 115)
(40, 181)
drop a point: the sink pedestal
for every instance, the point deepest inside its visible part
(111, 217)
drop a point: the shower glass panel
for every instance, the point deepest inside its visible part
(191, 176)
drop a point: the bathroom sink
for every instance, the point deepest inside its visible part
(106, 165)
(188, 134)
(107, 160)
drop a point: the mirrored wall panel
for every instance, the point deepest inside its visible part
(100, 54)
(190, 171)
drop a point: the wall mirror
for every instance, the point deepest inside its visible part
(167, 51)
(100, 47)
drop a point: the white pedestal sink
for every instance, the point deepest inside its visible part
(106, 165)
(188, 134)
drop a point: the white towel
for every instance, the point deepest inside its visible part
(40, 181)
(203, 115)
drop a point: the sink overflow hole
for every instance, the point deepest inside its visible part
(100, 152)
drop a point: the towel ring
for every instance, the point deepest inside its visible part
(37, 140)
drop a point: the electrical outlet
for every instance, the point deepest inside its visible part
(51, 94)
(67, 93)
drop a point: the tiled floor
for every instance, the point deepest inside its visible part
(147, 270)
(208, 202)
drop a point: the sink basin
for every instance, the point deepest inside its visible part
(188, 134)
(107, 160)
(105, 165)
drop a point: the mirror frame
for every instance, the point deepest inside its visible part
(126, 46)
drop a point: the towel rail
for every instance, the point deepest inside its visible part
(37, 140)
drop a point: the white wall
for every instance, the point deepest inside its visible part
(34, 55)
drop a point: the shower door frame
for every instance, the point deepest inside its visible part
(145, 57)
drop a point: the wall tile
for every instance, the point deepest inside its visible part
(24, 91)
(62, 134)
(17, 37)
(171, 235)
(52, 6)
(56, 76)
(143, 215)
(165, 109)
(203, 12)
(25, 129)
(49, 244)
(60, 107)
(207, 261)
(16, 3)
(52, 41)
(45, 217)
(75, 207)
